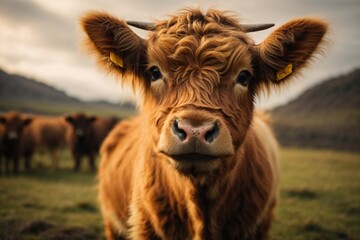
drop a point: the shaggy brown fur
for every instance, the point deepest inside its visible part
(162, 176)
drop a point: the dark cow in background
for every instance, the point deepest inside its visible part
(2, 132)
(49, 134)
(13, 144)
(86, 135)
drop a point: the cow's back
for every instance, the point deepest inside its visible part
(48, 132)
(119, 155)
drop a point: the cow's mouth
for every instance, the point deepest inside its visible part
(193, 157)
(194, 164)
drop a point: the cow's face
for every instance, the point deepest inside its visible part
(201, 92)
(81, 124)
(13, 126)
(199, 75)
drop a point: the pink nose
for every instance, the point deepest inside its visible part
(206, 132)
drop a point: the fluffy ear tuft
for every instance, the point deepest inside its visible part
(290, 48)
(117, 47)
(27, 121)
(69, 119)
(92, 119)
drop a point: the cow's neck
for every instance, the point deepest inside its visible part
(201, 200)
(202, 208)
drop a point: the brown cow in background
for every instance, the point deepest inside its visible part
(47, 133)
(13, 145)
(86, 135)
(198, 162)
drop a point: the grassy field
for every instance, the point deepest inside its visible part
(320, 196)
(320, 199)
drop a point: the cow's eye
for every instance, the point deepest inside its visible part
(155, 74)
(243, 78)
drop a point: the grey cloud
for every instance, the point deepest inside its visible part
(51, 29)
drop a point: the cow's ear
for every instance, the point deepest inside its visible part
(69, 119)
(117, 48)
(290, 48)
(2, 120)
(92, 119)
(27, 121)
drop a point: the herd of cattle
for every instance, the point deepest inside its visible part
(22, 135)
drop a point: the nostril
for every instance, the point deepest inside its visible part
(212, 133)
(178, 131)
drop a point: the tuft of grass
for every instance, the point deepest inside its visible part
(82, 206)
(69, 233)
(317, 231)
(86, 206)
(36, 226)
(300, 193)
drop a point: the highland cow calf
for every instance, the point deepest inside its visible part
(197, 163)
(13, 144)
(86, 135)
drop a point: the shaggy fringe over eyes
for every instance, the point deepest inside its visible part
(201, 52)
(188, 16)
(188, 43)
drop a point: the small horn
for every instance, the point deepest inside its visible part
(142, 25)
(256, 27)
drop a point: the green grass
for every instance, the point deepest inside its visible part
(59, 197)
(319, 199)
(320, 196)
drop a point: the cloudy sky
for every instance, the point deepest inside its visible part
(41, 39)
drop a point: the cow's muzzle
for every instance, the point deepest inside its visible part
(193, 137)
(186, 132)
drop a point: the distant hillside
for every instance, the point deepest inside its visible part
(27, 95)
(20, 88)
(327, 116)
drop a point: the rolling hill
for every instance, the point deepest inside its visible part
(325, 116)
(31, 96)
